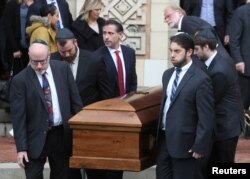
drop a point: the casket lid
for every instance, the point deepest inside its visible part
(134, 101)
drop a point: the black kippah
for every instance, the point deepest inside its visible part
(64, 33)
(40, 41)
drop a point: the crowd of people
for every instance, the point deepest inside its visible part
(61, 65)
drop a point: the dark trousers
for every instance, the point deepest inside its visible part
(54, 150)
(245, 96)
(245, 90)
(104, 174)
(174, 168)
(224, 151)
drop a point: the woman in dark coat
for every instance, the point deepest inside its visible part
(14, 19)
(88, 26)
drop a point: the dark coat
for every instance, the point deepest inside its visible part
(223, 10)
(239, 36)
(91, 77)
(190, 25)
(86, 37)
(29, 109)
(129, 60)
(228, 104)
(190, 117)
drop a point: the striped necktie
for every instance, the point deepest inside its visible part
(175, 83)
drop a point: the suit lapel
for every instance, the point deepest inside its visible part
(211, 66)
(37, 85)
(167, 78)
(126, 62)
(80, 65)
(110, 62)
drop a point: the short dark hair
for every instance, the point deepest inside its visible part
(206, 36)
(48, 9)
(118, 25)
(184, 40)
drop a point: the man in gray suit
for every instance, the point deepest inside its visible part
(42, 99)
(186, 116)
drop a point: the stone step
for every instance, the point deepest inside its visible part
(13, 171)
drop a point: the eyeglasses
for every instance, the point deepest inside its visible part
(36, 62)
(169, 15)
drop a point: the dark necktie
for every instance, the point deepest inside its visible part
(120, 73)
(175, 84)
(48, 98)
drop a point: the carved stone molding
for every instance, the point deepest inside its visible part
(134, 16)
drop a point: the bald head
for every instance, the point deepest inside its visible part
(39, 56)
(38, 49)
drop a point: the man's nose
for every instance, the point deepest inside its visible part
(39, 65)
(67, 54)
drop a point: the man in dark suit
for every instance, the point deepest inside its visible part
(88, 69)
(42, 99)
(216, 13)
(176, 17)
(65, 17)
(186, 115)
(228, 105)
(239, 46)
(120, 62)
(112, 35)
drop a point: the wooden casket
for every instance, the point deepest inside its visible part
(116, 134)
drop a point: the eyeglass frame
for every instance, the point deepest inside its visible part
(36, 62)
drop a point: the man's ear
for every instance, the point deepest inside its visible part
(190, 52)
(121, 35)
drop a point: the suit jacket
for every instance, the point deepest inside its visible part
(91, 77)
(223, 10)
(190, 117)
(29, 110)
(63, 5)
(239, 36)
(228, 105)
(2, 7)
(190, 25)
(86, 37)
(12, 26)
(129, 60)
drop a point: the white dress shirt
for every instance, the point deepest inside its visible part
(169, 90)
(57, 118)
(74, 64)
(112, 53)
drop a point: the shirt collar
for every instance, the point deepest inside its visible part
(186, 67)
(112, 50)
(76, 60)
(210, 59)
(179, 24)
